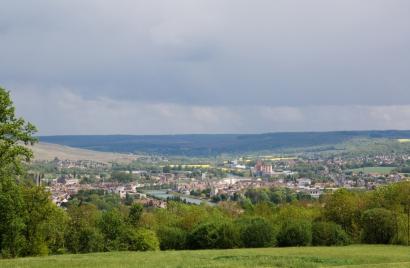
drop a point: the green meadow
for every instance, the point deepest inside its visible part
(350, 256)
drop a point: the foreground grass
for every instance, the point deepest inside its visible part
(351, 256)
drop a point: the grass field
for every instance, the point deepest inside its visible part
(351, 256)
(369, 170)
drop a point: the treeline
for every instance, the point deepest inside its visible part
(34, 226)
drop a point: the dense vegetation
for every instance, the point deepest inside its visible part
(216, 144)
(342, 218)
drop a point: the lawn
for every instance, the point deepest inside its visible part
(351, 256)
(369, 170)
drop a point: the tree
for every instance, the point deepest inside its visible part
(257, 232)
(209, 235)
(344, 208)
(14, 134)
(12, 224)
(295, 233)
(328, 234)
(83, 236)
(172, 238)
(140, 240)
(135, 214)
(378, 226)
(44, 224)
(112, 226)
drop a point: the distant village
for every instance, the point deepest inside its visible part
(196, 183)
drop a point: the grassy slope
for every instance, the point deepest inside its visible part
(47, 151)
(352, 256)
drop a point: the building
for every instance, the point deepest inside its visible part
(262, 168)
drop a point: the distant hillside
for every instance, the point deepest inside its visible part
(47, 151)
(215, 144)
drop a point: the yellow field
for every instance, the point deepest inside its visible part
(281, 158)
(192, 166)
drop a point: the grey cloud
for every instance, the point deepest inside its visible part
(217, 54)
(68, 113)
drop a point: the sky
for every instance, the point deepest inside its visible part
(207, 66)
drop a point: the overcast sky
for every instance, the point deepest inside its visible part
(212, 66)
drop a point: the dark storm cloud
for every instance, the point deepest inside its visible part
(212, 54)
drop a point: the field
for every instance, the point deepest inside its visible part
(370, 170)
(351, 256)
(47, 151)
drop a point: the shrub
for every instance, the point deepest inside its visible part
(229, 236)
(378, 226)
(296, 233)
(343, 208)
(172, 238)
(328, 234)
(140, 240)
(210, 235)
(257, 232)
(87, 239)
(135, 213)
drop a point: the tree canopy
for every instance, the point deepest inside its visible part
(15, 133)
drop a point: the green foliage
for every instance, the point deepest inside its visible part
(344, 208)
(172, 238)
(135, 214)
(82, 235)
(31, 224)
(328, 234)
(140, 240)
(90, 240)
(103, 201)
(112, 226)
(214, 235)
(122, 176)
(295, 233)
(14, 134)
(257, 232)
(12, 222)
(42, 221)
(378, 226)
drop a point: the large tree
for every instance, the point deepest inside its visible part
(15, 134)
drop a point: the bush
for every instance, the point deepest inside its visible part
(211, 235)
(378, 226)
(257, 233)
(85, 240)
(135, 214)
(329, 234)
(112, 226)
(172, 238)
(296, 233)
(140, 240)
